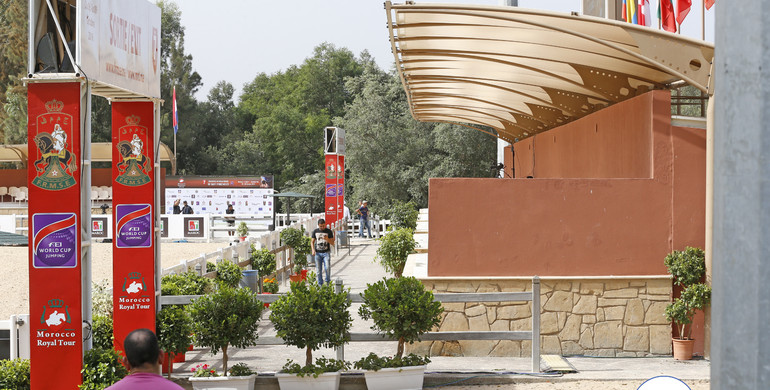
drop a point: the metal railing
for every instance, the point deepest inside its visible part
(533, 335)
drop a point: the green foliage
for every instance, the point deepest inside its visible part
(101, 299)
(372, 362)
(269, 285)
(203, 371)
(173, 327)
(101, 368)
(210, 267)
(320, 366)
(101, 329)
(242, 230)
(402, 215)
(228, 274)
(311, 316)
(263, 261)
(394, 249)
(188, 283)
(230, 316)
(13, 61)
(686, 266)
(241, 369)
(401, 309)
(300, 243)
(14, 374)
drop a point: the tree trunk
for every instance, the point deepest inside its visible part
(224, 359)
(170, 363)
(400, 350)
(308, 356)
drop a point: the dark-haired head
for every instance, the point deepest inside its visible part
(141, 348)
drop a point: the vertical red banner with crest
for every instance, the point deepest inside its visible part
(133, 195)
(330, 191)
(340, 187)
(55, 280)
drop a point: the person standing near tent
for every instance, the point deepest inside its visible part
(186, 209)
(230, 220)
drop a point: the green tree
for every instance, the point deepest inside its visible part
(13, 67)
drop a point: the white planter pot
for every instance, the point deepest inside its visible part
(223, 382)
(325, 381)
(403, 378)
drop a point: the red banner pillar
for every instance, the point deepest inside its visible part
(330, 201)
(133, 197)
(55, 287)
(340, 187)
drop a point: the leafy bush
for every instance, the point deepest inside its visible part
(688, 268)
(263, 261)
(14, 374)
(101, 329)
(241, 369)
(101, 299)
(394, 249)
(101, 368)
(188, 283)
(321, 366)
(228, 274)
(300, 243)
(403, 215)
(173, 327)
(242, 229)
(311, 316)
(210, 267)
(372, 362)
(401, 309)
(230, 316)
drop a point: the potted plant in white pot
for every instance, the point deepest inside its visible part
(242, 230)
(328, 326)
(300, 244)
(263, 262)
(403, 310)
(394, 248)
(688, 268)
(227, 317)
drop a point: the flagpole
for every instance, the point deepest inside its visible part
(703, 20)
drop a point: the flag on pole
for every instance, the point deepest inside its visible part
(684, 8)
(632, 14)
(176, 116)
(624, 11)
(710, 3)
(644, 13)
(667, 15)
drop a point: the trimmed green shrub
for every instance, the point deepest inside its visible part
(241, 369)
(228, 274)
(394, 249)
(230, 316)
(14, 374)
(300, 243)
(101, 299)
(403, 215)
(188, 283)
(401, 308)
(101, 329)
(263, 261)
(321, 366)
(242, 230)
(310, 316)
(101, 368)
(372, 362)
(173, 327)
(688, 268)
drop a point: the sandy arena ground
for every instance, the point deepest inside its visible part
(15, 283)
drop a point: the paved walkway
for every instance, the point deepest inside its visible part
(358, 268)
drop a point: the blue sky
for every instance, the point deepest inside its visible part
(234, 40)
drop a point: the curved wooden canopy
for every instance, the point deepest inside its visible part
(522, 72)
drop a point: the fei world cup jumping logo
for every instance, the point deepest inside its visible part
(133, 169)
(56, 165)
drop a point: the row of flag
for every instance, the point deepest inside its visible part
(638, 12)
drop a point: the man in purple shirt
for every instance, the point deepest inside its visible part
(144, 360)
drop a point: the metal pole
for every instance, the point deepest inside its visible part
(341, 348)
(85, 207)
(536, 324)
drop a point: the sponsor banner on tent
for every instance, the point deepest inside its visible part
(133, 194)
(53, 179)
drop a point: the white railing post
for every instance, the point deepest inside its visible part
(536, 324)
(12, 337)
(23, 330)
